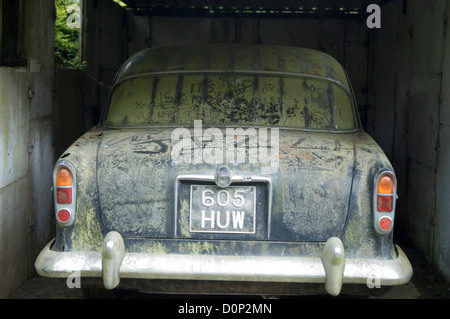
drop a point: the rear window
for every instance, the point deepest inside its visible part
(229, 99)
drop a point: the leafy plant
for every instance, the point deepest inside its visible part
(66, 35)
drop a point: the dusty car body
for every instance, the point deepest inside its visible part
(227, 169)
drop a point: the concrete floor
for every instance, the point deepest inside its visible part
(426, 283)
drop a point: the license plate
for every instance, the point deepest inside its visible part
(217, 210)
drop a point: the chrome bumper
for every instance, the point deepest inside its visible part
(331, 269)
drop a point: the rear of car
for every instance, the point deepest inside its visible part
(227, 166)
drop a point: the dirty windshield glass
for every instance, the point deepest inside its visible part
(230, 99)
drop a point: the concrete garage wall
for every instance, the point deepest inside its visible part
(409, 115)
(14, 179)
(41, 35)
(26, 150)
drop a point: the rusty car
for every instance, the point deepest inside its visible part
(227, 168)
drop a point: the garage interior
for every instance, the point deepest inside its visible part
(399, 72)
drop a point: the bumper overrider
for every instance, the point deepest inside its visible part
(331, 269)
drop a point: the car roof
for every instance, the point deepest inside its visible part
(234, 58)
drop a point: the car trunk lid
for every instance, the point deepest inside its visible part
(303, 195)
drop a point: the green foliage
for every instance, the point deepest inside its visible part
(66, 38)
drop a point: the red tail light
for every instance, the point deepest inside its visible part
(385, 195)
(384, 201)
(64, 195)
(385, 204)
(64, 185)
(63, 216)
(385, 223)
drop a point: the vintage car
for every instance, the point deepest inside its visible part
(227, 169)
